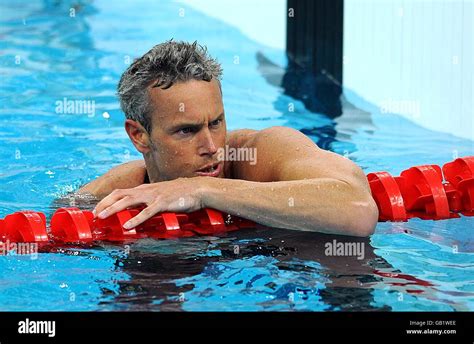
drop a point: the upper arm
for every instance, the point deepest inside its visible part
(124, 176)
(288, 154)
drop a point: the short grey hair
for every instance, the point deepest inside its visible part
(166, 63)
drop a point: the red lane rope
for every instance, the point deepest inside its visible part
(419, 191)
(72, 225)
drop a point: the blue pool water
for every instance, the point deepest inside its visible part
(46, 55)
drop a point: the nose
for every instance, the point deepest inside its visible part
(206, 144)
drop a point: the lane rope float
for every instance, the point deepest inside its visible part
(428, 192)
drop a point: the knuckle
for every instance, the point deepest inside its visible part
(146, 212)
(116, 192)
(130, 197)
(110, 208)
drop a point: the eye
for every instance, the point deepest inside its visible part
(216, 123)
(185, 131)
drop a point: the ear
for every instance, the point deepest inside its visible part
(138, 136)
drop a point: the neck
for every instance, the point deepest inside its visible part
(152, 171)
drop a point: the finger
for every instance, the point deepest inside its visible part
(107, 202)
(121, 204)
(144, 215)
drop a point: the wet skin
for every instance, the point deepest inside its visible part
(292, 184)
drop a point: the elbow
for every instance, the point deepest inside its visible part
(365, 218)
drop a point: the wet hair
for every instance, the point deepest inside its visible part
(165, 64)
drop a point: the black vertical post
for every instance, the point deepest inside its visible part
(314, 49)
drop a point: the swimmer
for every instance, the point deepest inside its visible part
(278, 177)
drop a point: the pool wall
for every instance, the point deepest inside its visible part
(413, 58)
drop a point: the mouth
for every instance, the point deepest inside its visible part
(210, 170)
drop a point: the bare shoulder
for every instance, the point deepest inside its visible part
(270, 145)
(241, 137)
(284, 153)
(124, 176)
(279, 135)
(269, 137)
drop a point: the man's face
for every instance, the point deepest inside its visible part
(188, 129)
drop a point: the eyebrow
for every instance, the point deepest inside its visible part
(180, 126)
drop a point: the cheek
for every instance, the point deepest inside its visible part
(181, 155)
(181, 150)
(222, 139)
(168, 149)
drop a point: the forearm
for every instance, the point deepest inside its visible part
(323, 205)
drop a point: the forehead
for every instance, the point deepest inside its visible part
(186, 100)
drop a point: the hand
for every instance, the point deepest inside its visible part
(179, 195)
